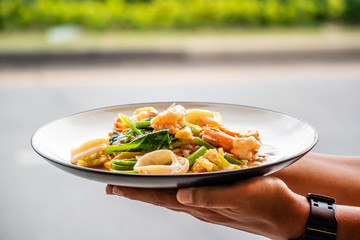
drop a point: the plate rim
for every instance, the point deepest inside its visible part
(184, 175)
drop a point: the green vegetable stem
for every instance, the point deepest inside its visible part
(200, 152)
(180, 142)
(194, 128)
(123, 171)
(128, 121)
(233, 160)
(201, 142)
(143, 124)
(122, 167)
(125, 162)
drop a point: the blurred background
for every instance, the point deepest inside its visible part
(60, 57)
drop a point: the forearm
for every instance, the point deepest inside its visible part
(335, 176)
(348, 219)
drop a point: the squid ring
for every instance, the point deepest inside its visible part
(157, 162)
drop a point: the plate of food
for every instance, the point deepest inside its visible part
(171, 145)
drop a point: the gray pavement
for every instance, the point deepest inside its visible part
(41, 202)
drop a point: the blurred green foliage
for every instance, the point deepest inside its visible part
(174, 14)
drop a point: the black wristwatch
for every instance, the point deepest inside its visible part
(322, 224)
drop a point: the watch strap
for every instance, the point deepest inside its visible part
(322, 224)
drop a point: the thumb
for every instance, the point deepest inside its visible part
(210, 197)
(228, 196)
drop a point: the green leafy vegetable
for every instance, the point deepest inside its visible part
(144, 143)
(118, 137)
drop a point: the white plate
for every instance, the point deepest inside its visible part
(291, 137)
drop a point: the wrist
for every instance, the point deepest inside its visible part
(290, 220)
(296, 223)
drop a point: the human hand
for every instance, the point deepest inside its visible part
(262, 205)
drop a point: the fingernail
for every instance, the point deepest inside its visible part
(118, 191)
(185, 196)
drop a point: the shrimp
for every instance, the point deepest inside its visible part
(243, 148)
(120, 126)
(141, 114)
(157, 162)
(173, 119)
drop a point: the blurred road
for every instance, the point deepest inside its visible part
(41, 202)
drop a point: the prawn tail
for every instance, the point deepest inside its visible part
(218, 138)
